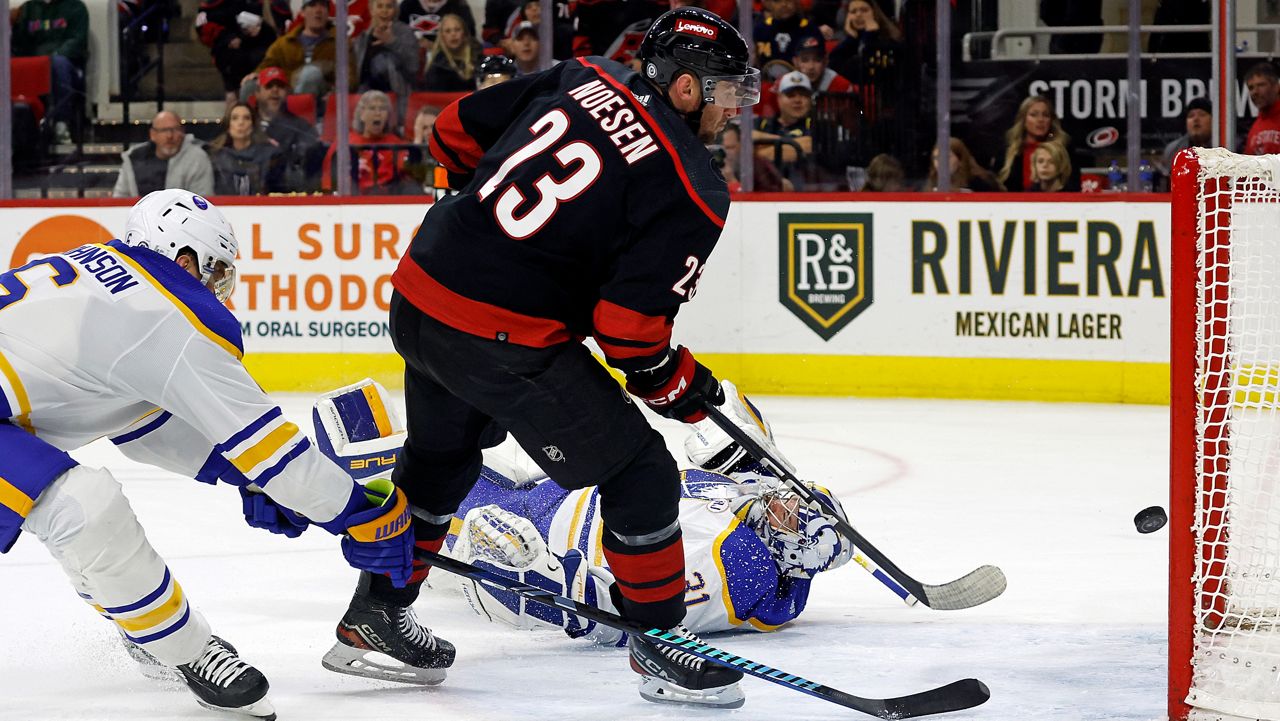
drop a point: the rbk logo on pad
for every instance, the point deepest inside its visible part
(696, 28)
(824, 268)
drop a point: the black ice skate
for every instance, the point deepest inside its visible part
(669, 675)
(382, 641)
(222, 682)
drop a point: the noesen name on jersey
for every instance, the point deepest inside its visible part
(609, 108)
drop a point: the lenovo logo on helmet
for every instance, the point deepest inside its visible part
(696, 28)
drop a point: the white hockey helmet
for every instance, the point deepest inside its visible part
(173, 220)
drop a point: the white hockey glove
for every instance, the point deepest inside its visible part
(712, 449)
(502, 538)
(357, 428)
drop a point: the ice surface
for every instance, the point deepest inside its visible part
(1045, 491)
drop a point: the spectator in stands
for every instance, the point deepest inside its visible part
(868, 58)
(307, 53)
(171, 159)
(966, 172)
(1180, 12)
(794, 122)
(868, 54)
(885, 175)
(451, 64)
(781, 31)
(420, 166)
(425, 16)
(60, 30)
(377, 171)
(1199, 124)
(523, 46)
(235, 34)
(765, 175)
(245, 161)
(1264, 88)
(300, 150)
(494, 69)
(423, 122)
(1035, 123)
(387, 54)
(811, 59)
(497, 19)
(1052, 169)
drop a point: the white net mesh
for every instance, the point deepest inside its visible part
(1236, 659)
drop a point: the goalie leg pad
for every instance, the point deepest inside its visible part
(88, 526)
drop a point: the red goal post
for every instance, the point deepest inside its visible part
(1224, 450)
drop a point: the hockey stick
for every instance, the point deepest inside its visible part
(955, 696)
(978, 587)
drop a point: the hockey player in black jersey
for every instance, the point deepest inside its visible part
(588, 206)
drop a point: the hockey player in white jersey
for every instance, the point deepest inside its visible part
(751, 547)
(130, 339)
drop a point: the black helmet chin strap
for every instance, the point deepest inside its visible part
(692, 118)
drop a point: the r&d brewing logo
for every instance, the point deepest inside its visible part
(825, 268)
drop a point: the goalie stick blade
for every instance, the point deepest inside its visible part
(975, 588)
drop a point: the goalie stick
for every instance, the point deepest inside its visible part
(955, 696)
(977, 587)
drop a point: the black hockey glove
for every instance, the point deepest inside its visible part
(683, 394)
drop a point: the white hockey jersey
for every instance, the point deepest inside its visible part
(731, 579)
(112, 340)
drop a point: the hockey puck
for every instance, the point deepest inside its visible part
(1150, 520)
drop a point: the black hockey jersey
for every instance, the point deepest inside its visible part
(588, 208)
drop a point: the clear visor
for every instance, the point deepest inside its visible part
(221, 279)
(732, 91)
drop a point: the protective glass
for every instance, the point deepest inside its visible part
(732, 91)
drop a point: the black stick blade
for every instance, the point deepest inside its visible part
(955, 696)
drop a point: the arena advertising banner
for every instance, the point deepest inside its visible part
(312, 278)
(919, 296)
(1078, 280)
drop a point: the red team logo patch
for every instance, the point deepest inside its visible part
(696, 28)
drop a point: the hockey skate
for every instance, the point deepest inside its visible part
(378, 640)
(222, 682)
(669, 675)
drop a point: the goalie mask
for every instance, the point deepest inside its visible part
(802, 540)
(172, 221)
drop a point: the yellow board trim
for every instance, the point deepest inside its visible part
(812, 375)
(265, 448)
(379, 411)
(20, 392)
(204, 330)
(14, 499)
(155, 616)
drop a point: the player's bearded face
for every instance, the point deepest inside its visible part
(714, 118)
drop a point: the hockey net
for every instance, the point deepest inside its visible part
(1224, 585)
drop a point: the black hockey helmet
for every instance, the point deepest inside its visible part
(694, 40)
(495, 65)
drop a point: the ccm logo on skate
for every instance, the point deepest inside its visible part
(696, 28)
